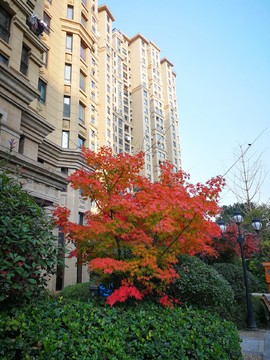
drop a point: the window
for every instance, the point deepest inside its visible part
(108, 88)
(4, 25)
(81, 113)
(92, 108)
(84, 2)
(83, 20)
(108, 110)
(47, 21)
(92, 120)
(108, 133)
(24, 61)
(108, 67)
(82, 81)
(92, 133)
(3, 60)
(148, 167)
(69, 42)
(108, 122)
(44, 58)
(120, 122)
(93, 96)
(42, 89)
(80, 142)
(92, 146)
(146, 119)
(65, 139)
(108, 29)
(108, 99)
(70, 12)
(67, 73)
(66, 107)
(83, 51)
(143, 52)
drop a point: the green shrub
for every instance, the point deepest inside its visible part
(28, 255)
(77, 292)
(255, 266)
(238, 313)
(201, 285)
(235, 276)
(57, 330)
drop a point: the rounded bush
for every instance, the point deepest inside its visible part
(200, 284)
(235, 276)
(57, 330)
(79, 292)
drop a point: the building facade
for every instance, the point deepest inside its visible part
(69, 79)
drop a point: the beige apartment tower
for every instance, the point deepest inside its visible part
(69, 79)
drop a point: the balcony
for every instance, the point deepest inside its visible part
(4, 34)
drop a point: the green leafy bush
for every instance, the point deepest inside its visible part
(57, 330)
(201, 285)
(28, 255)
(255, 266)
(234, 275)
(238, 313)
(77, 292)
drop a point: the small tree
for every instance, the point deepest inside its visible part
(247, 180)
(28, 255)
(140, 227)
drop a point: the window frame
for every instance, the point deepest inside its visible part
(42, 85)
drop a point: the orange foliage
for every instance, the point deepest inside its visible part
(140, 227)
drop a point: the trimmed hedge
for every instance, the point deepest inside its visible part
(201, 285)
(235, 276)
(57, 330)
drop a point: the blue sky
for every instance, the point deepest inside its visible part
(221, 53)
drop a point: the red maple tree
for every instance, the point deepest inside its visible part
(140, 227)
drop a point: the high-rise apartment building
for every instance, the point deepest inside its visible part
(80, 82)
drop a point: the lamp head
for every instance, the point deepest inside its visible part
(256, 224)
(222, 226)
(237, 217)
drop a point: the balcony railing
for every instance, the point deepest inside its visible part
(4, 34)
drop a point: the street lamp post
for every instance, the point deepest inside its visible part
(257, 226)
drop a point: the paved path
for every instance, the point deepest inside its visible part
(256, 342)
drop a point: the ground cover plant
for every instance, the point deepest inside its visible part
(139, 228)
(56, 329)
